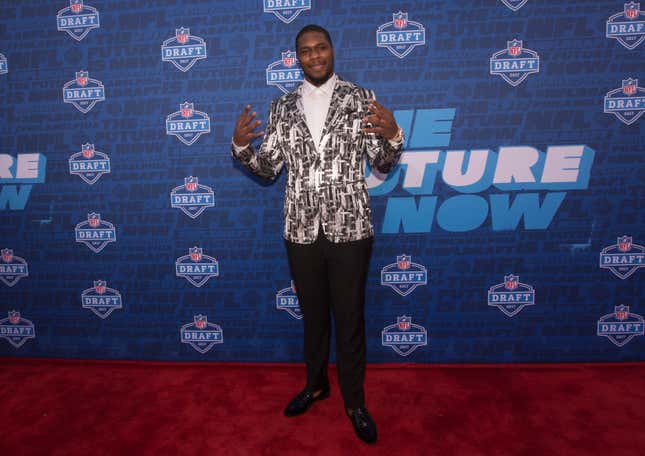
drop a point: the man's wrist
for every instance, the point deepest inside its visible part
(237, 148)
(398, 138)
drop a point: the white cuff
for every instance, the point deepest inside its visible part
(398, 139)
(237, 148)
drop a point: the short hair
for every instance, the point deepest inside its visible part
(313, 28)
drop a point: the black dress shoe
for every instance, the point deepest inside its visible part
(364, 425)
(303, 400)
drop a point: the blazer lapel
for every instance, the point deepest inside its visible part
(337, 105)
(298, 121)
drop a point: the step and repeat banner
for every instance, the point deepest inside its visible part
(510, 231)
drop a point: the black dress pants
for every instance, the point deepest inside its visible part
(331, 277)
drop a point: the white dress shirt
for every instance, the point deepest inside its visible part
(315, 103)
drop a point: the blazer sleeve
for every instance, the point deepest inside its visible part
(380, 153)
(268, 162)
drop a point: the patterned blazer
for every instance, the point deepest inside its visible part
(325, 186)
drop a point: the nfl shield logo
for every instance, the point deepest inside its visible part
(404, 276)
(83, 100)
(403, 261)
(187, 109)
(625, 243)
(184, 197)
(99, 286)
(94, 219)
(630, 86)
(82, 78)
(182, 35)
(195, 254)
(514, 47)
(200, 321)
(404, 323)
(511, 282)
(77, 20)
(7, 255)
(404, 337)
(514, 5)
(621, 312)
(293, 286)
(400, 19)
(627, 110)
(289, 58)
(200, 334)
(14, 317)
(190, 183)
(88, 150)
(76, 6)
(400, 36)
(632, 10)
(196, 275)
(286, 10)
(183, 50)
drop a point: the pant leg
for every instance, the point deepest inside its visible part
(348, 265)
(309, 274)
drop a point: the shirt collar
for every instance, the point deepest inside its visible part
(327, 88)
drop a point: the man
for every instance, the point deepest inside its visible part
(323, 131)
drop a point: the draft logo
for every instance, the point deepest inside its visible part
(287, 300)
(16, 330)
(623, 258)
(400, 36)
(4, 68)
(95, 233)
(404, 336)
(515, 63)
(627, 102)
(511, 296)
(83, 92)
(286, 10)
(621, 326)
(89, 164)
(514, 4)
(101, 299)
(196, 267)
(77, 19)
(285, 74)
(12, 268)
(628, 26)
(187, 124)
(404, 275)
(183, 50)
(192, 198)
(200, 334)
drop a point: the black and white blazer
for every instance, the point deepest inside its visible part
(325, 186)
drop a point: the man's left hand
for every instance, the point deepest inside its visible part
(381, 120)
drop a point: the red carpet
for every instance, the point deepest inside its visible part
(110, 408)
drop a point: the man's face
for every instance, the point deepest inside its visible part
(316, 57)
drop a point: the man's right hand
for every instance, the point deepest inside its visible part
(244, 128)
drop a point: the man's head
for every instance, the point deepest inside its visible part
(315, 53)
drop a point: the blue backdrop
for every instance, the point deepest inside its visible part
(511, 231)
